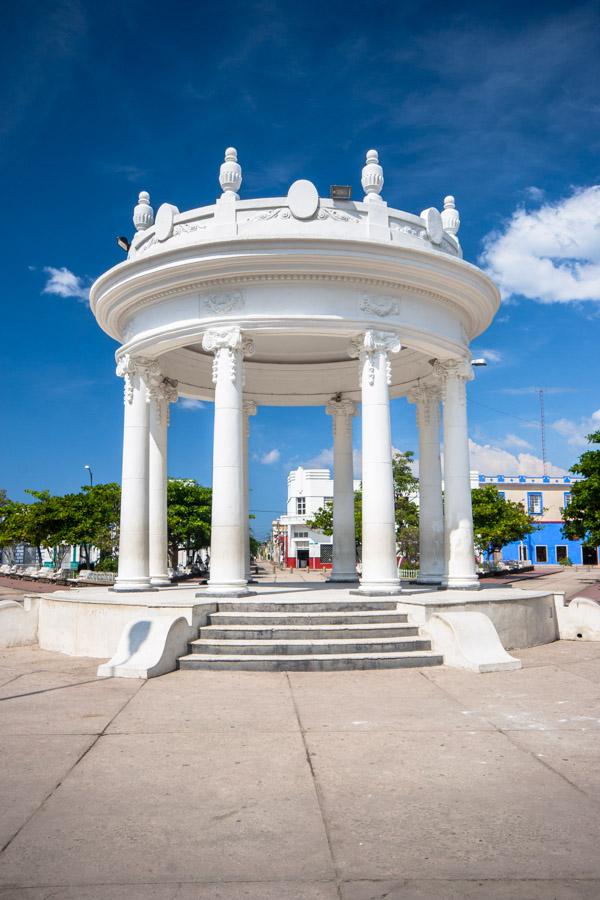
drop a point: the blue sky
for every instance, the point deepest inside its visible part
(497, 104)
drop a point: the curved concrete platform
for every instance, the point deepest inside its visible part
(300, 625)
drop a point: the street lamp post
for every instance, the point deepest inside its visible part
(91, 474)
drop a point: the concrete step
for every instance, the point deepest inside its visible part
(319, 631)
(288, 606)
(311, 618)
(314, 662)
(330, 647)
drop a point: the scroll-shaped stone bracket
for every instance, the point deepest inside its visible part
(468, 640)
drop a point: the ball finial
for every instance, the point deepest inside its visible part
(372, 177)
(230, 175)
(450, 216)
(143, 214)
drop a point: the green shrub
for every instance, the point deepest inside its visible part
(565, 561)
(107, 564)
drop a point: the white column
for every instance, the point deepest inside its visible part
(344, 539)
(134, 574)
(379, 569)
(163, 391)
(458, 515)
(249, 410)
(431, 506)
(227, 552)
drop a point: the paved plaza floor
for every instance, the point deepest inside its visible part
(396, 784)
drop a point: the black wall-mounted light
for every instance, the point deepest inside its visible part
(340, 192)
(124, 243)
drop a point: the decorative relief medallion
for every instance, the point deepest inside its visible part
(380, 306)
(433, 224)
(163, 224)
(303, 199)
(221, 304)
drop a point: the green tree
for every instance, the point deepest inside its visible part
(497, 521)
(188, 516)
(581, 515)
(91, 519)
(406, 490)
(406, 510)
(37, 523)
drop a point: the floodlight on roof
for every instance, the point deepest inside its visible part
(340, 192)
(123, 243)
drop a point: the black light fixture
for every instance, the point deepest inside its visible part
(340, 192)
(124, 243)
(479, 362)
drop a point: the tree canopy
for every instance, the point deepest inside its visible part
(581, 515)
(188, 516)
(406, 488)
(90, 518)
(497, 521)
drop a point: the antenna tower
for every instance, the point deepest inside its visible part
(543, 429)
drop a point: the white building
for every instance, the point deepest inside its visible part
(295, 544)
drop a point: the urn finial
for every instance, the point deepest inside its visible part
(450, 216)
(143, 214)
(372, 177)
(230, 175)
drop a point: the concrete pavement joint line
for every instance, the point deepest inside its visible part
(506, 735)
(76, 763)
(317, 789)
(456, 700)
(59, 687)
(547, 765)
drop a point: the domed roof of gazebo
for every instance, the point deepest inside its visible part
(301, 275)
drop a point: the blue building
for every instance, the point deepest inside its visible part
(544, 497)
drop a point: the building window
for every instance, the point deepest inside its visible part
(567, 498)
(326, 553)
(523, 552)
(534, 503)
(561, 552)
(541, 554)
(502, 494)
(301, 534)
(300, 506)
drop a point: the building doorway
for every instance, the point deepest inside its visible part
(590, 556)
(302, 557)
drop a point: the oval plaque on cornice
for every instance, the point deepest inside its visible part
(433, 224)
(163, 224)
(303, 199)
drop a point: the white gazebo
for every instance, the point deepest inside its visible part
(297, 300)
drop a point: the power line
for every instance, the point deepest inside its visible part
(543, 428)
(501, 411)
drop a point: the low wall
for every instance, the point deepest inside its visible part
(82, 624)
(521, 618)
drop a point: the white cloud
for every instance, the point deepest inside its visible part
(323, 460)
(576, 432)
(271, 457)
(513, 440)
(494, 461)
(535, 193)
(66, 284)
(190, 403)
(493, 356)
(551, 254)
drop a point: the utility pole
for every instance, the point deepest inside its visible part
(543, 429)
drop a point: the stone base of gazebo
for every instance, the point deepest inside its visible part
(322, 627)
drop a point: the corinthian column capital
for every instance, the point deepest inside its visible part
(228, 346)
(453, 368)
(370, 344)
(128, 367)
